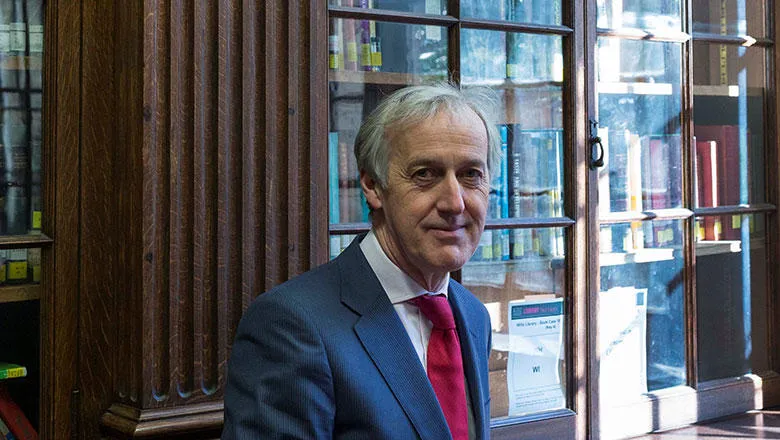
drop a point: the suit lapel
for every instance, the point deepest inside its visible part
(385, 340)
(472, 344)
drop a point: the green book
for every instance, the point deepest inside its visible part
(10, 371)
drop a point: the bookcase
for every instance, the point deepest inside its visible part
(189, 151)
(632, 220)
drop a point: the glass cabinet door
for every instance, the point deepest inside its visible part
(21, 183)
(641, 308)
(519, 268)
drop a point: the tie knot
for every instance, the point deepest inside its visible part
(437, 309)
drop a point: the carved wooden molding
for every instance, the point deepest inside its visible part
(192, 421)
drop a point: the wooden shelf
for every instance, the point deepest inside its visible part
(730, 91)
(634, 88)
(639, 256)
(385, 78)
(24, 241)
(22, 292)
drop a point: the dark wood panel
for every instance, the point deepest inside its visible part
(182, 337)
(230, 180)
(60, 281)
(205, 211)
(128, 169)
(97, 227)
(156, 196)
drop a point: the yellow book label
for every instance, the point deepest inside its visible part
(376, 58)
(36, 274)
(3, 270)
(365, 54)
(17, 270)
(352, 52)
(333, 61)
(736, 221)
(36, 219)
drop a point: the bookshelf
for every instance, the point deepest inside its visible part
(642, 211)
(183, 172)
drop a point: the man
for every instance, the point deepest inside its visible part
(380, 343)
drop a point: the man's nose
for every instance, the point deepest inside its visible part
(450, 196)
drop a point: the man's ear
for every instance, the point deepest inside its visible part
(371, 190)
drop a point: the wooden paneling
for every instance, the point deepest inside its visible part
(60, 279)
(228, 201)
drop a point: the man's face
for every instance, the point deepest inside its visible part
(431, 215)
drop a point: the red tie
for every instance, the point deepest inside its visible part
(445, 364)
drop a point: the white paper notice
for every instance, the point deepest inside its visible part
(535, 346)
(622, 344)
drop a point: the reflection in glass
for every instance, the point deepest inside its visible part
(521, 11)
(530, 180)
(435, 7)
(728, 102)
(746, 17)
(338, 243)
(21, 50)
(20, 266)
(639, 126)
(731, 274)
(525, 300)
(641, 321)
(642, 14)
(411, 54)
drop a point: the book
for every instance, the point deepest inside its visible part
(635, 190)
(14, 418)
(333, 177)
(344, 212)
(334, 45)
(348, 37)
(730, 188)
(365, 40)
(11, 371)
(707, 185)
(6, 433)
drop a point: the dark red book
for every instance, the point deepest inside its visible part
(727, 138)
(707, 173)
(14, 418)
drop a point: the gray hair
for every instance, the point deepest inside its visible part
(414, 105)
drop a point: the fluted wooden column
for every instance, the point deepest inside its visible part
(232, 157)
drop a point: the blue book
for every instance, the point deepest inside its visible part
(333, 177)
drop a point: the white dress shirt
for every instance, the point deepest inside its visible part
(400, 288)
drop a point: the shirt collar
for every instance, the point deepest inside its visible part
(398, 285)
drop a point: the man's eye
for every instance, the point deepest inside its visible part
(425, 173)
(473, 174)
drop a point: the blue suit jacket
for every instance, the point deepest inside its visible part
(325, 355)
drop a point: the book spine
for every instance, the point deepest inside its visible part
(707, 155)
(14, 417)
(6, 433)
(365, 41)
(333, 177)
(334, 44)
(343, 184)
(350, 44)
(635, 189)
(12, 372)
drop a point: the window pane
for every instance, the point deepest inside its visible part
(531, 176)
(643, 14)
(524, 297)
(731, 275)
(639, 125)
(746, 17)
(436, 7)
(641, 322)
(728, 120)
(20, 145)
(521, 11)
(361, 75)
